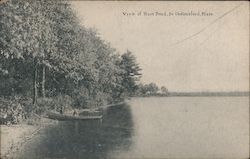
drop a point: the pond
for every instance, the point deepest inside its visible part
(153, 127)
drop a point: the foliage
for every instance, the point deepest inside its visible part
(151, 89)
(131, 73)
(15, 108)
(164, 90)
(47, 54)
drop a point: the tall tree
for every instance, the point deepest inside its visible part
(131, 73)
(28, 34)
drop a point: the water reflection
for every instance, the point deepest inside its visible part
(93, 139)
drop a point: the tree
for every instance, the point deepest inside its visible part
(164, 90)
(152, 88)
(45, 51)
(20, 37)
(29, 35)
(148, 89)
(131, 73)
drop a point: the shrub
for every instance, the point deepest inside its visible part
(16, 108)
(55, 103)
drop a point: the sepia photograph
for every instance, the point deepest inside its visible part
(124, 79)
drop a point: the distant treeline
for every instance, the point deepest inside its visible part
(208, 93)
(151, 89)
(193, 94)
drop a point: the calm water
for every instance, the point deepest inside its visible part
(173, 127)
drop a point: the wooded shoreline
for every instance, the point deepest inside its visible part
(49, 60)
(197, 94)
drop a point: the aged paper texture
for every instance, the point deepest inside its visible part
(124, 79)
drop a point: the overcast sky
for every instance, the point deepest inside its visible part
(183, 53)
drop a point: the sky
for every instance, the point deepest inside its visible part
(183, 53)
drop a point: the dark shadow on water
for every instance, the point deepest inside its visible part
(90, 140)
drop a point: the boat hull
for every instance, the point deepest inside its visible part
(64, 117)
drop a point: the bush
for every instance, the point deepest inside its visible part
(56, 103)
(82, 99)
(62, 102)
(15, 108)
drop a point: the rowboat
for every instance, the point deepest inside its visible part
(88, 112)
(63, 117)
(85, 114)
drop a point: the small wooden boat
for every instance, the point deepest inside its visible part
(58, 116)
(85, 114)
(88, 112)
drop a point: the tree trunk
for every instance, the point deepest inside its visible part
(43, 81)
(35, 83)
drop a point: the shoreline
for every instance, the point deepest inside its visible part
(14, 137)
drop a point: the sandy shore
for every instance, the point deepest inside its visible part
(14, 137)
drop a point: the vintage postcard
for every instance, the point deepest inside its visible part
(124, 79)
